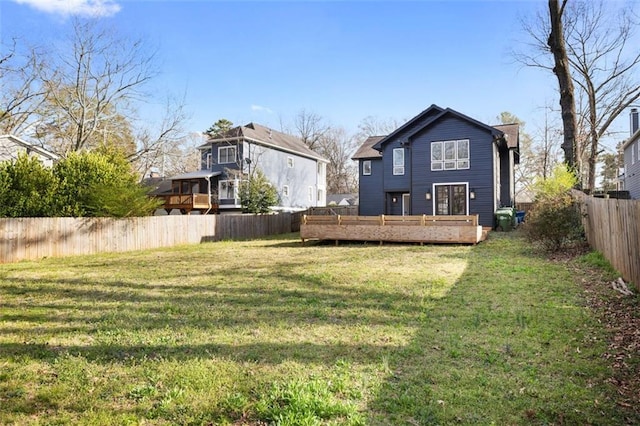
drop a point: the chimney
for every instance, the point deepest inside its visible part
(635, 124)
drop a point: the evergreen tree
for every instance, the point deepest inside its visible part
(257, 194)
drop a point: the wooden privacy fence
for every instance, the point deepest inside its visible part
(35, 238)
(612, 227)
(420, 229)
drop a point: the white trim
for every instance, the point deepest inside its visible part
(450, 163)
(364, 168)
(398, 170)
(235, 189)
(434, 195)
(407, 195)
(235, 154)
(211, 142)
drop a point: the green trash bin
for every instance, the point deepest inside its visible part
(505, 218)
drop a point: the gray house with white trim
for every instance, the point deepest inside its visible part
(440, 162)
(297, 172)
(631, 148)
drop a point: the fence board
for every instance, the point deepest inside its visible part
(612, 228)
(35, 238)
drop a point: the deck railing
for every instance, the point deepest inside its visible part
(382, 220)
(187, 201)
(421, 229)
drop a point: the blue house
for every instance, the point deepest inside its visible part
(631, 147)
(297, 172)
(440, 162)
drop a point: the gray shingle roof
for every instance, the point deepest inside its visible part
(511, 133)
(270, 137)
(366, 149)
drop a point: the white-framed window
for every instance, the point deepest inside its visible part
(450, 155)
(311, 191)
(208, 160)
(285, 191)
(320, 195)
(227, 154)
(366, 167)
(227, 190)
(398, 161)
(290, 162)
(321, 169)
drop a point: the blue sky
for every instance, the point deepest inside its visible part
(265, 61)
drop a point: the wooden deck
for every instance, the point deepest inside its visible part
(417, 229)
(186, 203)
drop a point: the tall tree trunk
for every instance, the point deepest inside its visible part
(561, 70)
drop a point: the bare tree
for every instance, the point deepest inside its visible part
(600, 52)
(98, 76)
(167, 146)
(375, 126)
(22, 94)
(591, 43)
(310, 127)
(556, 44)
(338, 147)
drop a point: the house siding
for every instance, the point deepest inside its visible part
(632, 169)
(479, 176)
(299, 178)
(370, 204)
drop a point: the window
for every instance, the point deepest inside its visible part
(290, 162)
(320, 196)
(366, 167)
(227, 190)
(227, 154)
(208, 160)
(451, 199)
(311, 193)
(285, 191)
(321, 167)
(450, 155)
(398, 161)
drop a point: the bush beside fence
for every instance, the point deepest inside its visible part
(612, 227)
(35, 238)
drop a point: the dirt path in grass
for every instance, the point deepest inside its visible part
(620, 317)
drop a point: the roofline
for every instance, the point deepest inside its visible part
(379, 144)
(260, 142)
(631, 139)
(28, 145)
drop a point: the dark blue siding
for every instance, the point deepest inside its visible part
(371, 199)
(396, 183)
(479, 176)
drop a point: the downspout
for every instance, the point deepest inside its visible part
(208, 178)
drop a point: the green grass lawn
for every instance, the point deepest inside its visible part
(274, 332)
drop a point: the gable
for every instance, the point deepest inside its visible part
(267, 137)
(431, 117)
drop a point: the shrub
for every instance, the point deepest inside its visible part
(27, 188)
(100, 183)
(554, 221)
